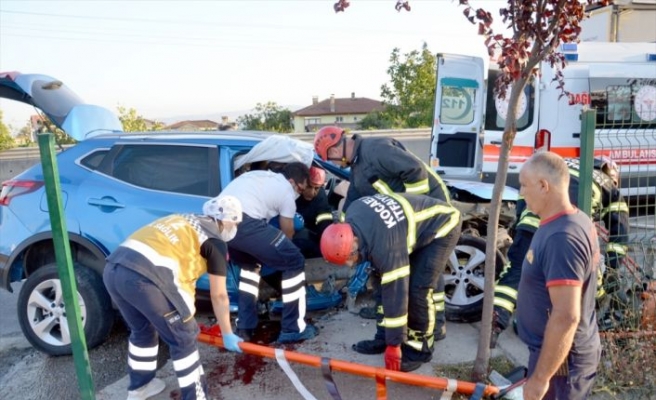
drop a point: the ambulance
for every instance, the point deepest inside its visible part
(618, 80)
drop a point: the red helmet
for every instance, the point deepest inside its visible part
(327, 137)
(317, 176)
(336, 243)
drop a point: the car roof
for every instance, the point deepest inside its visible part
(178, 135)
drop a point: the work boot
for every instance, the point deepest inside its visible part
(367, 312)
(309, 332)
(439, 333)
(376, 346)
(246, 334)
(148, 390)
(496, 331)
(409, 366)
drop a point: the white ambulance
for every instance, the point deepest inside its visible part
(616, 79)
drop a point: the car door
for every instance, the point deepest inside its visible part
(137, 183)
(457, 134)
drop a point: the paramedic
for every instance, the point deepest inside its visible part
(151, 278)
(265, 195)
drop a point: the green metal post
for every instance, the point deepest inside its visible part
(65, 266)
(588, 120)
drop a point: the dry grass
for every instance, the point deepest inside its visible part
(463, 371)
(627, 369)
(628, 365)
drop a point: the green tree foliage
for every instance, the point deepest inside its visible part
(376, 120)
(131, 120)
(6, 141)
(61, 137)
(25, 136)
(268, 117)
(410, 94)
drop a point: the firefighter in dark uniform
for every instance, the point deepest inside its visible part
(608, 206)
(312, 205)
(383, 165)
(407, 238)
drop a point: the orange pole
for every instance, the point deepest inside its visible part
(353, 368)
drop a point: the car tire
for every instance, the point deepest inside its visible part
(41, 313)
(465, 279)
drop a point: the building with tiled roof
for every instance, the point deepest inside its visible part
(198, 125)
(344, 112)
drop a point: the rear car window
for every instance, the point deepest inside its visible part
(178, 169)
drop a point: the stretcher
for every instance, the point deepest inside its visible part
(476, 391)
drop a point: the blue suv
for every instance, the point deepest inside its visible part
(112, 183)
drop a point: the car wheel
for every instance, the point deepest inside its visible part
(42, 315)
(464, 279)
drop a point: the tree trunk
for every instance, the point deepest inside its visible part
(481, 364)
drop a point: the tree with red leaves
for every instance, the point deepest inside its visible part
(537, 29)
(341, 5)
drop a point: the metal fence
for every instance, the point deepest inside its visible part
(632, 145)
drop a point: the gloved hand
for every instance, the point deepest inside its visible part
(299, 222)
(393, 358)
(231, 342)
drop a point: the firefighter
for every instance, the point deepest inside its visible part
(383, 165)
(151, 278)
(608, 206)
(312, 205)
(408, 239)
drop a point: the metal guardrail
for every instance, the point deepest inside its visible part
(21, 153)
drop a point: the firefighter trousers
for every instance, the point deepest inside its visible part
(505, 291)
(426, 266)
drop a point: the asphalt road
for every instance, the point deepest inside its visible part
(28, 374)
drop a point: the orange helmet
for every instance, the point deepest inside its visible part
(317, 176)
(327, 137)
(336, 243)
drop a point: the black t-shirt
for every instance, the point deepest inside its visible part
(215, 251)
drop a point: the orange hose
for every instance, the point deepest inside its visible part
(353, 368)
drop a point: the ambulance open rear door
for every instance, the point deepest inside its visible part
(457, 136)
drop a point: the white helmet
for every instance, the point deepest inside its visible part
(223, 208)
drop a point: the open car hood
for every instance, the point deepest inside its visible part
(66, 110)
(482, 189)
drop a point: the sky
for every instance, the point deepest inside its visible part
(184, 58)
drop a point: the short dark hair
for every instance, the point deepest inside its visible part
(297, 171)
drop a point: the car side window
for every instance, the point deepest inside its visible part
(93, 160)
(178, 169)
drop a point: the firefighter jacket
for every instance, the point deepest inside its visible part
(317, 213)
(389, 228)
(383, 165)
